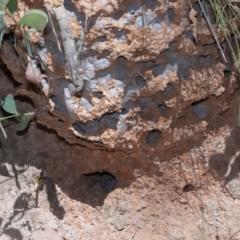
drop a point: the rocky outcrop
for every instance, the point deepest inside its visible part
(146, 150)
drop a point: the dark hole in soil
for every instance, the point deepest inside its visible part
(199, 109)
(124, 111)
(162, 108)
(227, 72)
(153, 137)
(98, 94)
(117, 15)
(102, 39)
(98, 181)
(170, 14)
(140, 81)
(188, 188)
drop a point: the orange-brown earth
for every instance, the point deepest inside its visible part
(157, 114)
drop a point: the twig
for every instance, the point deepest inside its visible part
(70, 51)
(3, 131)
(53, 28)
(213, 32)
(81, 39)
(234, 234)
(68, 45)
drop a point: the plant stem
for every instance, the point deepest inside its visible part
(16, 115)
(3, 131)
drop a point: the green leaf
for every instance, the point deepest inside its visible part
(3, 3)
(24, 120)
(34, 18)
(9, 104)
(27, 36)
(27, 43)
(12, 6)
(3, 28)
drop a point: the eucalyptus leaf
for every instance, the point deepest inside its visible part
(3, 3)
(3, 28)
(34, 18)
(27, 43)
(27, 36)
(12, 6)
(9, 104)
(24, 120)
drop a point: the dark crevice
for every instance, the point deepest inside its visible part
(199, 109)
(153, 137)
(188, 188)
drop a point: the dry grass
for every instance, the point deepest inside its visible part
(227, 14)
